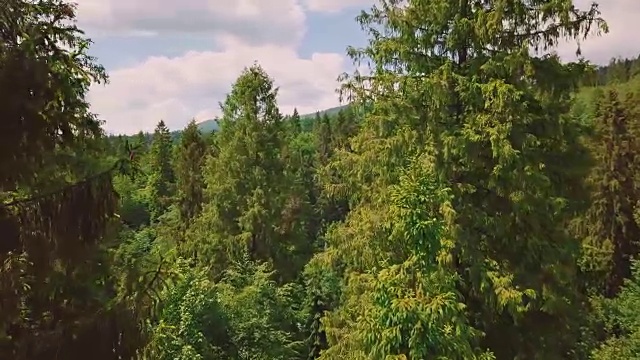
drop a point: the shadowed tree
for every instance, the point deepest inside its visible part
(610, 229)
(52, 254)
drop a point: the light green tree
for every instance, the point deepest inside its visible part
(460, 83)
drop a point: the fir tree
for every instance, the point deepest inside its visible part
(140, 140)
(344, 129)
(323, 136)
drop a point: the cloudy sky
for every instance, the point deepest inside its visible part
(175, 60)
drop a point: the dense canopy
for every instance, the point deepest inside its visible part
(477, 199)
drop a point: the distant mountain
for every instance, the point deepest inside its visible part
(208, 126)
(330, 112)
(211, 125)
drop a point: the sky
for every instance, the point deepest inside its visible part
(176, 60)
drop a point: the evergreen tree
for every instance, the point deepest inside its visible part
(323, 136)
(345, 128)
(52, 254)
(189, 180)
(457, 81)
(141, 142)
(622, 321)
(296, 122)
(160, 177)
(253, 203)
(610, 229)
(428, 219)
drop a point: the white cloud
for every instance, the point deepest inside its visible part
(335, 6)
(621, 41)
(255, 21)
(177, 89)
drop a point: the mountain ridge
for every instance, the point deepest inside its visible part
(210, 125)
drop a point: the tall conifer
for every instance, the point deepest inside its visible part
(610, 228)
(458, 82)
(189, 180)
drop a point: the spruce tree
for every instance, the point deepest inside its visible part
(323, 137)
(296, 124)
(345, 127)
(252, 202)
(460, 83)
(189, 180)
(140, 141)
(610, 229)
(52, 250)
(160, 171)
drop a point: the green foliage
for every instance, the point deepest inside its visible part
(160, 175)
(609, 228)
(189, 165)
(442, 214)
(322, 289)
(241, 317)
(408, 306)
(494, 122)
(191, 324)
(134, 209)
(57, 200)
(45, 73)
(254, 202)
(624, 319)
(261, 311)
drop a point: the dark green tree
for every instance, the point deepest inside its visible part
(344, 128)
(189, 179)
(161, 178)
(609, 228)
(253, 202)
(54, 282)
(296, 124)
(141, 142)
(323, 136)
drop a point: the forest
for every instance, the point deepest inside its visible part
(478, 199)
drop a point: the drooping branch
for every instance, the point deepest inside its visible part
(61, 221)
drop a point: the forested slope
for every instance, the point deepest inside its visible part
(483, 205)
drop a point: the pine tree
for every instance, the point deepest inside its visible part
(458, 82)
(189, 180)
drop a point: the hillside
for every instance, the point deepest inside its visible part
(208, 126)
(331, 111)
(211, 125)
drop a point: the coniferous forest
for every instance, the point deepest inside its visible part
(479, 198)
